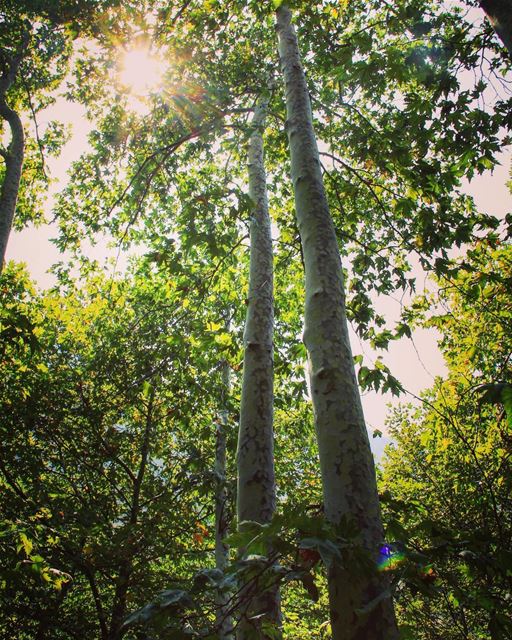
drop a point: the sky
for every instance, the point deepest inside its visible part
(414, 362)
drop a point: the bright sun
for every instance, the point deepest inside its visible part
(141, 71)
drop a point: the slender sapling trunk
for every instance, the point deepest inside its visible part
(224, 621)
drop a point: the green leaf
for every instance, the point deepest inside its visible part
(328, 550)
(491, 393)
(25, 544)
(506, 398)
(169, 600)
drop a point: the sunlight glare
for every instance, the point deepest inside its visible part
(141, 71)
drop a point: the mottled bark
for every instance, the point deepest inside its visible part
(256, 482)
(224, 621)
(499, 13)
(13, 155)
(347, 468)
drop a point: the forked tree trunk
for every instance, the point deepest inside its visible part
(223, 619)
(360, 605)
(255, 457)
(499, 13)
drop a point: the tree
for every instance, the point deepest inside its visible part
(222, 520)
(348, 476)
(446, 482)
(255, 456)
(401, 184)
(105, 503)
(396, 132)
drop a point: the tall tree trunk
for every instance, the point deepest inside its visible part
(499, 13)
(360, 605)
(224, 621)
(255, 457)
(13, 155)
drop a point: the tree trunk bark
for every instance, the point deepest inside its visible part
(360, 605)
(499, 13)
(223, 619)
(255, 457)
(13, 155)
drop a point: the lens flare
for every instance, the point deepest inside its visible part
(389, 557)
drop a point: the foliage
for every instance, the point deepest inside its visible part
(100, 457)
(447, 480)
(40, 33)
(111, 385)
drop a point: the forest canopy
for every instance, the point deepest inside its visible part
(183, 449)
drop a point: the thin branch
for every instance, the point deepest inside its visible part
(36, 126)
